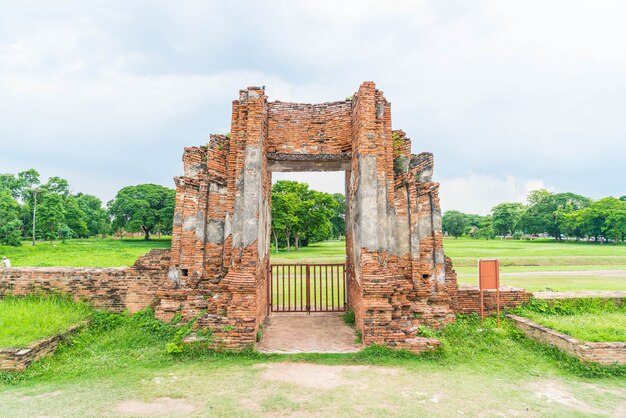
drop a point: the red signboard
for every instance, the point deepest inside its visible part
(489, 279)
(489, 274)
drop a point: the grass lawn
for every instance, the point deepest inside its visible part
(588, 319)
(120, 366)
(534, 265)
(24, 320)
(321, 252)
(93, 252)
(609, 327)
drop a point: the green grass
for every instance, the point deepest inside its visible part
(592, 319)
(24, 320)
(93, 252)
(121, 357)
(480, 248)
(321, 252)
(587, 327)
(533, 265)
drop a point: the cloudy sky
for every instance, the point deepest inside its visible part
(509, 95)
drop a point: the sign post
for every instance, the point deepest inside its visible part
(489, 279)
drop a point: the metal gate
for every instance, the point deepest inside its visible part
(307, 288)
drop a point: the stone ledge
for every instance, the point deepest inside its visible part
(605, 353)
(17, 359)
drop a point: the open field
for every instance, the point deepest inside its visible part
(119, 366)
(24, 320)
(93, 252)
(534, 265)
(320, 252)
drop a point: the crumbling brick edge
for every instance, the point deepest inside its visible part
(605, 353)
(17, 359)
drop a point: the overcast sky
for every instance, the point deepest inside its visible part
(509, 95)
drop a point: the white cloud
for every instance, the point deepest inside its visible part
(478, 193)
(531, 88)
(325, 181)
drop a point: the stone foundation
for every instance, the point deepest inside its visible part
(596, 352)
(17, 359)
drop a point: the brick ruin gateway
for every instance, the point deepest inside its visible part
(217, 268)
(398, 276)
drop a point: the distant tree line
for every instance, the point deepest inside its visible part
(30, 209)
(558, 215)
(301, 215)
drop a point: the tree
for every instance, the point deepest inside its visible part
(546, 210)
(21, 185)
(75, 219)
(283, 215)
(604, 219)
(623, 198)
(485, 228)
(57, 185)
(96, 217)
(338, 219)
(10, 224)
(145, 207)
(50, 215)
(309, 216)
(505, 217)
(453, 222)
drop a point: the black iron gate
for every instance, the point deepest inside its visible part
(307, 288)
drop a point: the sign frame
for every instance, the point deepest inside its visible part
(489, 280)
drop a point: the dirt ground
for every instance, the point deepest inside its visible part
(303, 389)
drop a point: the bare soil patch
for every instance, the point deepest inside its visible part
(554, 391)
(316, 375)
(157, 408)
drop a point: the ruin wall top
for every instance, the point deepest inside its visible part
(299, 128)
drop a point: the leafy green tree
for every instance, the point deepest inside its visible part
(338, 219)
(310, 213)
(57, 185)
(10, 223)
(472, 224)
(623, 198)
(505, 217)
(75, 219)
(283, 215)
(603, 219)
(96, 217)
(21, 185)
(485, 228)
(453, 222)
(145, 207)
(50, 215)
(546, 211)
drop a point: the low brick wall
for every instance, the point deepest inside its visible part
(597, 352)
(117, 289)
(16, 359)
(468, 300)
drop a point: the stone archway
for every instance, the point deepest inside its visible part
(220, 247)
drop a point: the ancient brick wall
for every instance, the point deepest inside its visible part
(117, 289)
(398, 276)
(469, 299)
(300, 128)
